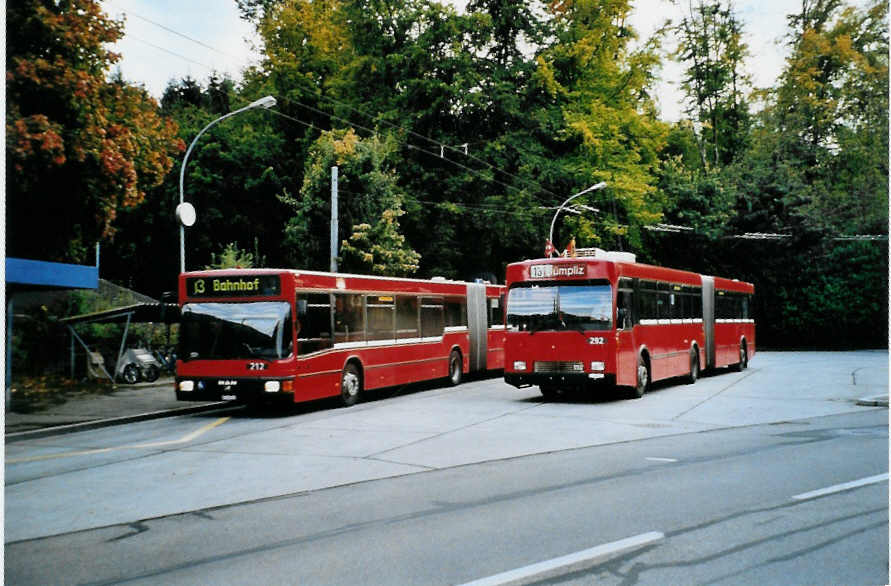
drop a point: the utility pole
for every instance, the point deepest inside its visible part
(334, 219)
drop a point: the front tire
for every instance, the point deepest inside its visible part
(350, 385)
(643, 379)
(455, 368)
(549, 393)
(131, 374)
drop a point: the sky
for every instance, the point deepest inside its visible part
(156, 49)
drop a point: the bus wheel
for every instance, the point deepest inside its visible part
(455, 368)
(743, 359)
(350, 385)
(694, 367)
(643, 379)
(549, 393)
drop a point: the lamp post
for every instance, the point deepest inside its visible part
(600, 185)
(185, 212)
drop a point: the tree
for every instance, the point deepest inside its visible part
(607, 128)
(710, 43)
(232, 257)
(831, 107)
(232, 178)
(369, 208)
(80, 148)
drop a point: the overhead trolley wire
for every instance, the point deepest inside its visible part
(183, 57)
(177, 33)
(318, 94)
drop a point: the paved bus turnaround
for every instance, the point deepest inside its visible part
(261, 335)
(603, 320)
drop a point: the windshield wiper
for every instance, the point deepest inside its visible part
(577, 326)
(542, 324)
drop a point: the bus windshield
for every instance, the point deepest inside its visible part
(226, 331)
(560, 307)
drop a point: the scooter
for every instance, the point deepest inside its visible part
(138, 364)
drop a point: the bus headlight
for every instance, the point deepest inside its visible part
(272, 386)
(519, 365)
(186, 385)
(598, 366)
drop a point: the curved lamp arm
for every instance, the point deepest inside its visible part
(265, 102)
(600, 185)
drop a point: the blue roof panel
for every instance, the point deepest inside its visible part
(40, 273)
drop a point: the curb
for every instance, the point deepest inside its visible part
(99, 423)
(877, 401)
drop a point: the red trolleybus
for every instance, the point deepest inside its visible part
(259, 335)
(577, 322)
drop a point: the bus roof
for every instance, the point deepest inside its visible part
(580, 268)
(303, 279)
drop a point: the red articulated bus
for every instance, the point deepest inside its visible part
(259, 335)
(576, 323)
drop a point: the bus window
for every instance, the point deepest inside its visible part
(314, 332)
(455, 312)
(648, 298)
(431, 317)
(349, 321)
(381, 317)
(578, 307)
(406, 317)
(496, 315)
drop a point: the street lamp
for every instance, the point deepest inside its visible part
(600, 185)
(185, 212)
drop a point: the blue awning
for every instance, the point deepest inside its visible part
(25, 273)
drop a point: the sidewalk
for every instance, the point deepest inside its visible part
(127, 403)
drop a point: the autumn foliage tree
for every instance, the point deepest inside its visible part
(80, 146)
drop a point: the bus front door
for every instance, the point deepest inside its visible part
(626, 353)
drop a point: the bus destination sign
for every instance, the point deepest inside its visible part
(260, 286)
(552, 271)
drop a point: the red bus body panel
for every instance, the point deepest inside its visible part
(667, 343)
(383, 364)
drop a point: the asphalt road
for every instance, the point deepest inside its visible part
(447, 486)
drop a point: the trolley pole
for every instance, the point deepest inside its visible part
(334, 219)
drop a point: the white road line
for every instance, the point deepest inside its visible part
(569, 563)
(661, 459)
(841, 487)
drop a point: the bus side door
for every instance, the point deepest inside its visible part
(626, 351)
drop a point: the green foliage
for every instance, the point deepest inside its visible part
(379, 249)
(231, 257)
(839, 299)
(608, 127)
(456, 135)
(711, 46)
(370, 203)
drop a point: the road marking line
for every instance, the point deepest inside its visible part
(661, 459)
(186, 438)
(571, 562)
(56, 456)
(841, 487)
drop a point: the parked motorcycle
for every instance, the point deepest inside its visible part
(138, 364)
